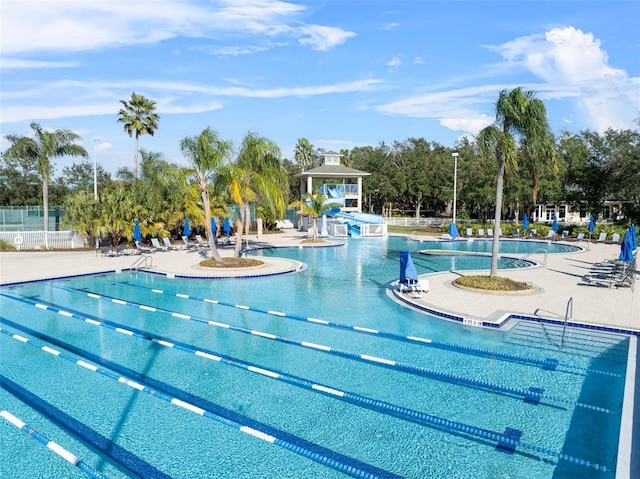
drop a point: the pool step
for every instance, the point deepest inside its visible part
(472, 322)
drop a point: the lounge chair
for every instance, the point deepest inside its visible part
(143, 249)
(615, 238)
(469, 232)
(167, 243)
(580, 237)
(108, 252)
(481, 232)
(516, 233)
(602, 238)
(414, 288)
(201, 243)
(187, 244)
(156, 244)
(533, 233)
(551, 234)
(490, 232)
(565, 234)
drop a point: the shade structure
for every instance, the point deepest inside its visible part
(408, 272)
(525, 222)
(227, 226)
(626, 249)
(554, 226)
(592, 224)
(186, 231)
(137, 235)
(453, 230)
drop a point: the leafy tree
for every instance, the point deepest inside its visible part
(79, 176)
(207, 154)
(256, 175)
(138, 116)
(19, 181)
(519, 115)
(44, 146)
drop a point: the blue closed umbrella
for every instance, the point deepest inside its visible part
(453, 230)
(634, 237)
(137, 235)
(408, 271)
(214, 229)
(525, 222)
(592, 224)
(227, 226)
(186, 231)
(626, 249)
(554, 226)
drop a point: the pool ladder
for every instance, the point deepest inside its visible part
(537, 250)
(145, 261)
(568, 313)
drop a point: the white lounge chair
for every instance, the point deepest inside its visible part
(143, 249)
(481, 232)
(551, 234)
(580, 237)
(602, 238)
(533, 233)
(201, 243)
(490, 232)
(156, 244)
(615, 238)
(187, 244)
(516, 232)
(167, 243)
(469, 231)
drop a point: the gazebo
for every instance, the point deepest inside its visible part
(336, 181)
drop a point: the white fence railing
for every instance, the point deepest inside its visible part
(368, 229)
(406, 221)
(38, 240)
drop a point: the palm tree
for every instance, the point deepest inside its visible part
(44, 146)
(304, 154)
(257, 175)
(138, 115)
(207, 154)
(314, 206)
(519, 115)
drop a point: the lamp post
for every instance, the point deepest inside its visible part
(455, 183)
(95, 169)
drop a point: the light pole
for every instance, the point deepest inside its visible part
(455, 183)
(95, 170)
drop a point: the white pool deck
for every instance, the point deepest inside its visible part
(556, 284)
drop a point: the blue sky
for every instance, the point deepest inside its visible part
(339, 73)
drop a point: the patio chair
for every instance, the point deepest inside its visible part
(187, 244)
(201, 243)
(143, 249)
(551, 234)
(516, 233)
(580, 237)
(490, 232)
(615, 238)
(169, 245)
(481, 232)
(533, 233)
(469, 232)
(602, 238)
(156, 244)
(565, 234)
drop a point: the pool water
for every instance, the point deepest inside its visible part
(282, 385)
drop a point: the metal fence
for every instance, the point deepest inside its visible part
(39, 240)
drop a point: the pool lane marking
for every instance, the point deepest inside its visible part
(548, 364)
(411, 415)
(530, 395)
(345, 464)
(53, 446)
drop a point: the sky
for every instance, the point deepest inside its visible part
(342, 74)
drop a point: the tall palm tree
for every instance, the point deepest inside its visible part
(314, 206)
(207, 154)
(519, 116)
(44, 146)
(138, 115)
(258, 174)
(304, 154)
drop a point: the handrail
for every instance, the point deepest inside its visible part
(142, 261)
(568, 313)
(537, 250)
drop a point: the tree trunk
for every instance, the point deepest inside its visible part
(496, 226)
(239, 227)
(207, 226)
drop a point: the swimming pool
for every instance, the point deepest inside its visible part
(289, 376)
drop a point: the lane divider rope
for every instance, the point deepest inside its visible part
(532, 395)
(548, 363)
(53, 446)
(414, 416)
(347, 465)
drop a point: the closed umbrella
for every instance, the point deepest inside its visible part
(634, 237)
(453, 230)
(137, 235)
(214, 228)
(626, 249)
(186, 231)
(227, 227)
(554, 226)
(525, 222)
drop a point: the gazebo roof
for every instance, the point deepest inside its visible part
(332, 171)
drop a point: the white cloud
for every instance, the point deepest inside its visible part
(7, 64)
(395, 61)
(30, 27)
(390, 26)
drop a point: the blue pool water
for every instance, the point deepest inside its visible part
(276, 382)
